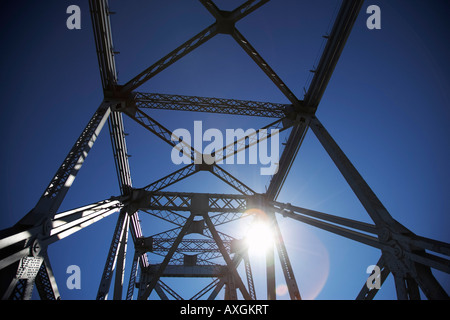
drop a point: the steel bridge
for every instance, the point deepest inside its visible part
(25, 263)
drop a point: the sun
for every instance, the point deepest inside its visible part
(259, 238)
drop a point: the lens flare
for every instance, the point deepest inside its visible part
(259, 238)
(282, 290)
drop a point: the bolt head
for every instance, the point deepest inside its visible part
(36, 248)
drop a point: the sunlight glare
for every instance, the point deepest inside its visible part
(259, 238)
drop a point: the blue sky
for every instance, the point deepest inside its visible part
(386, 106)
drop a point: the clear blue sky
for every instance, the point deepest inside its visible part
(387, 106)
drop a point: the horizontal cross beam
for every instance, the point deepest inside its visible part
(210, 105)
(194, 202)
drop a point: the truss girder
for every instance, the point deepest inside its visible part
(211, 105)
(249, 274)
(101, 25)
(187, 245)
(117, 134)
(119, 147)
(133, 274)
(45, 282)
(179, 220)
(178, 201)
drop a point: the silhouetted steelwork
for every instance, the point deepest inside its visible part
(24, 261)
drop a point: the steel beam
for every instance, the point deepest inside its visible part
(169, 290)
(100, 16)
(58, 187)
(170, 58)
(120, 264)
(287, 209)
(252, 139)
(168, 215)
(210, 105)
(160, 292)
(187, 245)
(337, 39)
(341, 30)
(190, 45)
(195, 202)
(212, 8)
(68, 222)
(286, 266)
(163, 133)
(172, 178)
(228, 178)
(287, 157)
(133, 274)
(366, 196)
(249, 274)
(117, 244)
(179, 220)
(341, 231)
(270, 273)
(45, 281)
(205, 290)
(264, 66)
(245, 9)
(103, 42)
(409, 264)
(119, 147)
